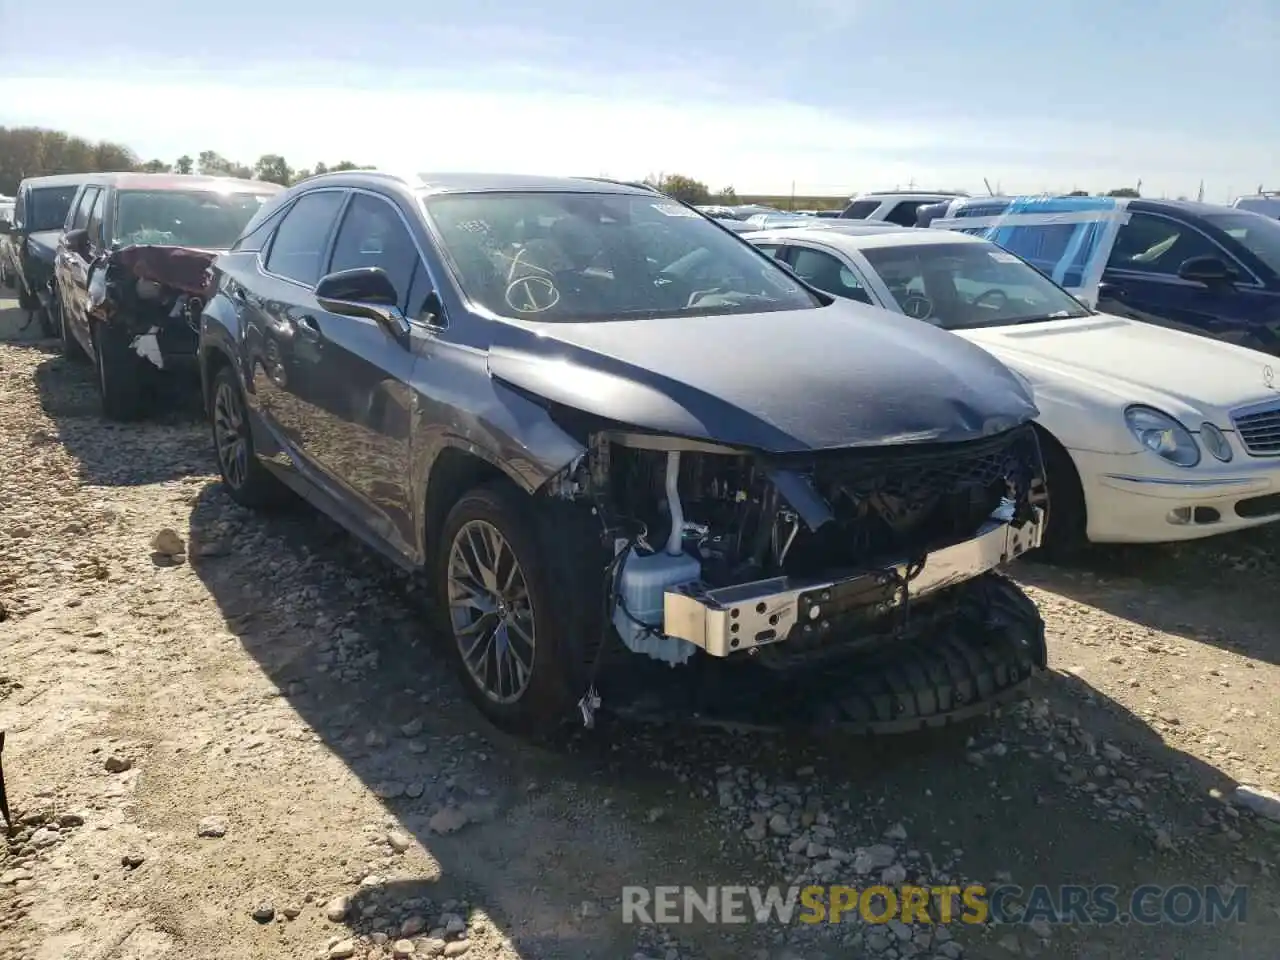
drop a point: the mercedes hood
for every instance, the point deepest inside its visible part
(844, 375)
(1134, 362)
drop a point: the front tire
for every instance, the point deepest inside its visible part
(249, 483)
(1066, 537)
(120, 374)
(521, 607)
(71, 348)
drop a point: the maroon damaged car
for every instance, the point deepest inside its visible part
(131, 275)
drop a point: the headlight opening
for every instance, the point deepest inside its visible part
(1163, 435)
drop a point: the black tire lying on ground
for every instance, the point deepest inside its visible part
(981, 654)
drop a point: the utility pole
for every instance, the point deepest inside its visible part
(793, 196)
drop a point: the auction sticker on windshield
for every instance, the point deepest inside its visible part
(1002, 256)
(674, 210)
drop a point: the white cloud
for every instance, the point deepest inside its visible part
(534, 121)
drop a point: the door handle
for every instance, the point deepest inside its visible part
(1111, 290)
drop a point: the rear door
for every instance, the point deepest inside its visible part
(1141, 282)
(281, 341)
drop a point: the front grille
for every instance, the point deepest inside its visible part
(906, 501)
(1259, 429)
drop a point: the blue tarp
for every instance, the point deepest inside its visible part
(1067, 238)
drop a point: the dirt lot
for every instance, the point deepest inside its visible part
(251, 752)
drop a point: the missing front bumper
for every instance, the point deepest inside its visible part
(728, 620)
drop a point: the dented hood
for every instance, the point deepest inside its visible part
(182, 268)
(845, 375)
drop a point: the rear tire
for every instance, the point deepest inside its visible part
(48, 324)
(247, 481)
(121, 376)
(522, 606)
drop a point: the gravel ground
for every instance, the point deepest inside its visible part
(235, 742)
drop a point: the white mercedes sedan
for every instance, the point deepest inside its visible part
(1149, 434)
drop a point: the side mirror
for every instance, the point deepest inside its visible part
(77, 242)
(1207, 270)
(364, 292)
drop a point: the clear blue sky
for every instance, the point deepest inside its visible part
(835, 95)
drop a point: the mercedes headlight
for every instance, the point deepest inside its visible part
(1215, 441)
(1163, 435)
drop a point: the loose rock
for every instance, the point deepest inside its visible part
(211, 827)
(336, 909)
(1262, 802)
(448, 820)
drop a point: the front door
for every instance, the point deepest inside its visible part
(359, 390)
(1141, 282)
(77, 268)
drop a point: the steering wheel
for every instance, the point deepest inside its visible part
(917, 306)
(995, 293)
(532, 294)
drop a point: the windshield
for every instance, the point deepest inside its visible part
(1256, 233)
(601, 256)
(183, 218)
(47, 207)
(958, 286)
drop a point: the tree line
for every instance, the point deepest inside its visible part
(37, 152)
(694, 191)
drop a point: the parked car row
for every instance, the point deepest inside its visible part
(1150, 433)
(620, 440)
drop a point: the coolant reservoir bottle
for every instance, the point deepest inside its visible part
(645, 578)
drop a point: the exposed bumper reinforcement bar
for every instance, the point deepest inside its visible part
(728, 620)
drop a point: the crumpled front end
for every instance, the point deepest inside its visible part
(156, 294)
(854, 586)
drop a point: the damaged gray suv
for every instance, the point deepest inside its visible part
(642, 465)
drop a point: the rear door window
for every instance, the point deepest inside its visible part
(860, 209)
(904, 213)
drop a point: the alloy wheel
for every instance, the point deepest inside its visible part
(229, 435)
(490, 611)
